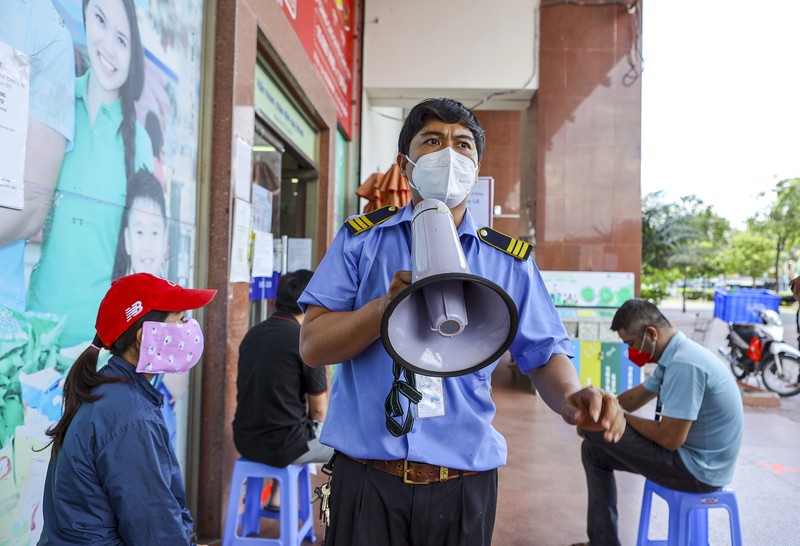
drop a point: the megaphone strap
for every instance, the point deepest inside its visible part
(362, 223)
(392, 406)
(505, 243)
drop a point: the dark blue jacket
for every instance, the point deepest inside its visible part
(116, 479)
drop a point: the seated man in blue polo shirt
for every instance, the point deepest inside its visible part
(437, 484)
(692, 443)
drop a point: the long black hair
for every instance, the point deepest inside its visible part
(83, 377)
(131, 90)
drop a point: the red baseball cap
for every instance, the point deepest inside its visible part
(132, 296)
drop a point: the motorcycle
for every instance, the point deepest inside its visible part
(759, 349)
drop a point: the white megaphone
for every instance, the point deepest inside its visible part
(448, 322)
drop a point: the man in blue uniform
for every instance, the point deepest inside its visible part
(437, 484)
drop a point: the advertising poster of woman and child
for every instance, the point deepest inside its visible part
(97, 181)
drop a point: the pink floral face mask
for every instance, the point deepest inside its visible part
(170, 347)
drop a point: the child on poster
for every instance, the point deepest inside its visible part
(142, 248)
(142, 245)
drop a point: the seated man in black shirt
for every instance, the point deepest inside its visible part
(281, 402)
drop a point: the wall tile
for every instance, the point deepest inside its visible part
(587, 188)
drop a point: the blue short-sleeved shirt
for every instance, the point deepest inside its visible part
(694, 385)
(35, 28)
(358, 269)
(116, 479)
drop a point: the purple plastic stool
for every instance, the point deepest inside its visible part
(688, 515)
(295, 484)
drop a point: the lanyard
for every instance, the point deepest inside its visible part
(392, 406)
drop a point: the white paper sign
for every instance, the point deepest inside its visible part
(481, 201)
(262, 254)
(262, 208)
(244, 169)
(299, 254)
(277, 253)
(240, 267)
(14, 78)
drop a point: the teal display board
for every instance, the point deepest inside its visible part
(589, 288)
(610, 366)
(605, 365)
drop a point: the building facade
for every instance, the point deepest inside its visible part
(262, 118)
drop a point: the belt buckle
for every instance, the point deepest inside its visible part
(405, 475)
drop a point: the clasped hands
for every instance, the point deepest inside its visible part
(593, 409)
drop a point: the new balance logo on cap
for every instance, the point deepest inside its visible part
(133, 310)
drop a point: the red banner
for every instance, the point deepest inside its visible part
(325, 28)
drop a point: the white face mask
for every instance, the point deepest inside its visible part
(445, 175)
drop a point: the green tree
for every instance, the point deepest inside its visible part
(664, 229)
(750, 253)
(783, 219)
(655, 283)
(712, 232)
(682, 236)
(690, 259)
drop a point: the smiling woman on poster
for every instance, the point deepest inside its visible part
(80, 237)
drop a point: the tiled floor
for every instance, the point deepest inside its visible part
(542, 499)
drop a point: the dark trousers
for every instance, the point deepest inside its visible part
(369, 507)
(633, 453)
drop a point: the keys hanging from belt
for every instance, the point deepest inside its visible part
(392, 406)
(322, 494)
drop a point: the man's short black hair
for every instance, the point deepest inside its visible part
(635, 315)
(290, 287)
(443, 109)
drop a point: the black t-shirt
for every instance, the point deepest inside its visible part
(271, 423)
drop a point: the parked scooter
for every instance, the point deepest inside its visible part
(759, 349)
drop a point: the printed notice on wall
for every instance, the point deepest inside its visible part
(263, 249)
(244, 169)
(240, 244)
(14, 78)
(262, 208)
(299, 254)
(481, 201)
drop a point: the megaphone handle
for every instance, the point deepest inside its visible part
(392, 406)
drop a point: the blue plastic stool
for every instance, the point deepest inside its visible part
(688, 515)
(295, 484)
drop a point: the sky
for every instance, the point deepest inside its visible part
(720, 101)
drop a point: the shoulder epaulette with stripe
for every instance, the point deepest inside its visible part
(505, 243)
(362, 223)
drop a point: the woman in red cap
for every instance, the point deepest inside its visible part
(113, 476)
